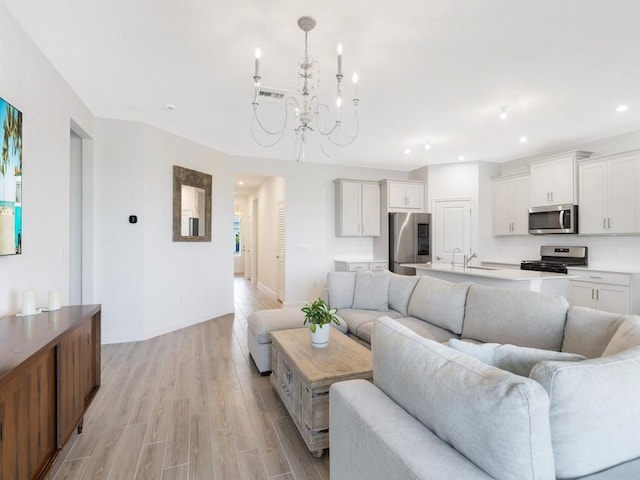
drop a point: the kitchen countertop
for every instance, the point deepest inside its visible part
(508, 274)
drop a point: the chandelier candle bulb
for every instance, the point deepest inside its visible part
(258, 54)
(340, 59)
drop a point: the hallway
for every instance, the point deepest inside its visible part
(189, 405)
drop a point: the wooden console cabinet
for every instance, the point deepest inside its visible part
(49, 373)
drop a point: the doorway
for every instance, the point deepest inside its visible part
(75, 219)
(451, 230)
(259, 234)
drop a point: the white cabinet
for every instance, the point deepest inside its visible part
(553, 182)
(360, 265)
(511, 196)
(357, 208)
(608, 291)
(403, 195)
(609, 198)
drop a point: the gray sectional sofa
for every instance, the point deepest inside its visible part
(478, 382)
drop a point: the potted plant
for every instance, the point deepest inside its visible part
(319, 317)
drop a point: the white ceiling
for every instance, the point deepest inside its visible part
(435, 71)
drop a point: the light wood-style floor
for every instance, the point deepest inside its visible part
(189, 405)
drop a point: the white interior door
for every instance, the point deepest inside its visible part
(75, 220)
(281, 253)
(451, 230)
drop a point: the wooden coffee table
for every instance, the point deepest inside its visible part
(302, 375)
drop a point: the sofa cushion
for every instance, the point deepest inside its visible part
(528, 319)
(400, 290)
(627, 336)
(515, 359)
(427, 330)
(474, 407)
(261, 322)
(439, 302)
(354, 318)
(341, 286)
(588, 331)
(372, 291)
(594, 411)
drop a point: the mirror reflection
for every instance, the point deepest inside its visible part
(192, 218)
(191, 205)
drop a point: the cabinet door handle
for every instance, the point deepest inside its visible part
(609, 222)
(604, 223)
(594, 277)
(592, 294)
(598, 294)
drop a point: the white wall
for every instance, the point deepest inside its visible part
(48, 105)
(150, 285)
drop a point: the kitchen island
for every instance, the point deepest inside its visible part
(545, 282)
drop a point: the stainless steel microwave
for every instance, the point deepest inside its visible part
(553, 219)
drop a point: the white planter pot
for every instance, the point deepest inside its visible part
(320, 338)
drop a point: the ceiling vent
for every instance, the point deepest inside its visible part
(272, 95)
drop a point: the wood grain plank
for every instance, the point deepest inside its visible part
(72, 470)
(151, 460)
(200, 448)
(224, 453)
(251, 465)
(128, 452)
(181, 472)
(178, 441)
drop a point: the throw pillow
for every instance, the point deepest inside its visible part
(514, 359)
(372, 291)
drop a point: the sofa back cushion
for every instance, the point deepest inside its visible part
(439, 302)
(400, 290)
(594, 411)
(371, 291)
(514, 359)
(472, 406)
(528, 319)
(340, 286)
(588, 331)
(627, 336)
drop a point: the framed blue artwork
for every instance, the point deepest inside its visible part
(10, 180)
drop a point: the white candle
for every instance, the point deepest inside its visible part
(29, 302)
(258, 54)
(54, 300)
(339, 59)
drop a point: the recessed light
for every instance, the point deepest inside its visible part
(407, 151)
(523, 139)
(622, 108)
(461, 158)
(240, 182)
(427, 146)
(503, 113)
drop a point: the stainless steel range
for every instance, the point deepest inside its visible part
(557, 259)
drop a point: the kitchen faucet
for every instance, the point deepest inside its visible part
(453, 257)
(468, 259)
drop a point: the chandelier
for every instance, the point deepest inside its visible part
(310, 114)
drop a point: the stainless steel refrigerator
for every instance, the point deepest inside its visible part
(409, 240)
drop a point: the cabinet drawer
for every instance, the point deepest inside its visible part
(356, 267)
(612, 278)
(378, 266)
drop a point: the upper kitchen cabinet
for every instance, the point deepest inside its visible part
(403, 195)
(554, 182)
(609, 199)
(357, 208)
(511, 196)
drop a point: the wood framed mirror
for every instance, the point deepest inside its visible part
(191, 205)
